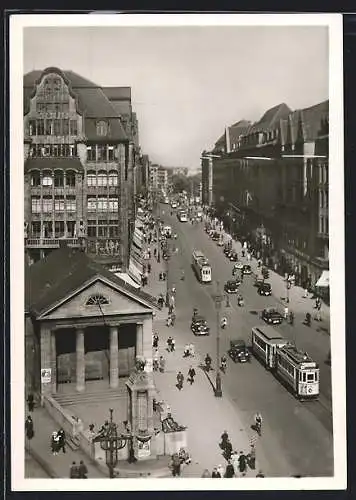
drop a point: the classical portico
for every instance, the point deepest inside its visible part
(90, 325)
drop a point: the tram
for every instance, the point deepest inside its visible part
(201, 267)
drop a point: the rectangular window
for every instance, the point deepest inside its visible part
(59, 228)
(113, 231)
(32, 127)
(111, 153)
(101, 153)
(91, 153)
(65, 127)
(92, 231)
(73, 127)
(65, 107)
(40, 127)
(47, 180)
(113, 204)
(36, 204)
(326, 225)
(102, 231)
(102, 204)
(57, 127)
(71, 204)
(47, 204)
(72, 150)
(91, 204)
(48, 127)
(59, 204)
(36, 229)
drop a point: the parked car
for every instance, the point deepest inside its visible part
(231, 286)
(259, 280)
(247, 269)
(265, 272)
(199, 326)
(272, 316)
(265, 289)
(215, 236)
(220, 243)
(233, 256)
(238, 351)
(238, 266)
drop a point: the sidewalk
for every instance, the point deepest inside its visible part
(55, 465)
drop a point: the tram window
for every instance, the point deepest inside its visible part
(316, 376)
(300, 376)
(310, 377)
(304, 376)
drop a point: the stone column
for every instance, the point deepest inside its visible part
(46, 361)
(114, 357)
(139, 339)
(54, 362)
(147, 338)
(80, 360)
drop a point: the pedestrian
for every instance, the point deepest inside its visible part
(305, 296)
(162, 364)
(169, 320)
(173, 318)
(229, 472)
(82, 470)
(149, 268)
(160, 277)
(173, 345)
(186, 351)
(191, 375)
(30, 402)
(242, 463)
(175, 465)
(54, 443)
(192, 350)
(62, 439)
(155, 362)
(206, 473)
(252, 457)
(155, 252)
(169, 344)
(224, 439)
(180, 380)
(74, 471)
(215, 472)
(286, 312)
(227, 450)
(260, 474)
(220, 470)
(155, 341)
(29, 428)
(235, 461)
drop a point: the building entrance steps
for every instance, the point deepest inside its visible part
(94, 391)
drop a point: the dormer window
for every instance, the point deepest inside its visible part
(101, 128)
(97, 300)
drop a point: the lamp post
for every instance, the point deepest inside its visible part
(288, 285)
(218, 300)
(110, 442)
(168, 256)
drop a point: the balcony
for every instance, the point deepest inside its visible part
(52, 242)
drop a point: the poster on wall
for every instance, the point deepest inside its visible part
(46, 375)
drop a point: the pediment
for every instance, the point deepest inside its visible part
(96, 299)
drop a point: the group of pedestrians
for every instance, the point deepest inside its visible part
(237, 463)
(78, 471)
(159, 362)
(58, 441)
(190, 378)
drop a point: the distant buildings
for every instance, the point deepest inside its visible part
(270, 181)
(83, 166)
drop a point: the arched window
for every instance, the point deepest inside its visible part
(96, 300)
(91, 178)
(113, 178)
(102, 178)
(70, 178)
(58, 178)
(35, 179)
(47, 179)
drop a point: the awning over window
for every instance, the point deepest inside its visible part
(125, 277)
(323, 281)
(135, 270)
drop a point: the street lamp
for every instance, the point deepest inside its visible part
(288, 285)
(110, 442)
(218, 300)
(168, 256)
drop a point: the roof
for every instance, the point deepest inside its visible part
(63, 271)
(271, 118)
(236, 130)
(53, 163)
(116, 131)
(117, 93)
(311, 119)
(296, 354)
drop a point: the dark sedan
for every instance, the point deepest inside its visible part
(265, 289)
(199, 326)
(233, 256)
(231, 286)
(271, 316)
(238, 351)
(247, 269)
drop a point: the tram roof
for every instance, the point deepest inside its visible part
(268, 332)
(296, 354)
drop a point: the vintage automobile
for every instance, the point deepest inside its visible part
(265, 272)
(272, 316)
(259, 280)
(215, 236)
(232, 286)
(227, 249)
(264, 289)
(238, 351)
(233, 256)
(238, 266)
(199, 326)
(247, 269)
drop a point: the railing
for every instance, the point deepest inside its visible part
(51, 242)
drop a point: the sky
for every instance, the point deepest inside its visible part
(189, 83)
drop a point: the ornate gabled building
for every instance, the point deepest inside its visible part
(79, 150)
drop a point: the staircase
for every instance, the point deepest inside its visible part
(93, 396)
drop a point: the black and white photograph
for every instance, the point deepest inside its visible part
(177, 252)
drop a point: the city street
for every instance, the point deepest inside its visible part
(295, 432)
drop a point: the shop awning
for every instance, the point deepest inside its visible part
(323, 281)
(125, 277)
(135, 271)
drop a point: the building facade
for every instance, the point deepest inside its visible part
(272, 187)
(79, 162)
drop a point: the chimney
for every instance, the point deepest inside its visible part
(227, 140)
